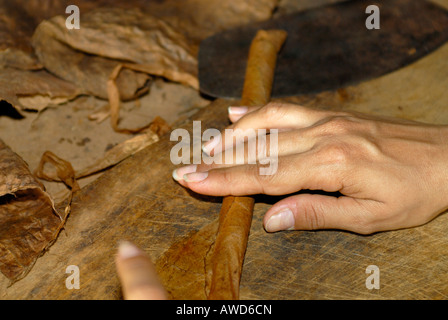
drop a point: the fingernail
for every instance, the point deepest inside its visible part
(127, 250)
(237, 110)
(196, 177)
(284, 220)
(179, 173)
(210, 145)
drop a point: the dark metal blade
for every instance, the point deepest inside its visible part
(327, 47)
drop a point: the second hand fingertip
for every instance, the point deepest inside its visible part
(127, 250)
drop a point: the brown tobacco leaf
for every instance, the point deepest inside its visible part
(88, 72)
(22, 89)
(132, 36)
(19, 18)
(16, 28)
(184, 267)
(29, 222)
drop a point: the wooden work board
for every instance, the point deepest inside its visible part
(139, 201)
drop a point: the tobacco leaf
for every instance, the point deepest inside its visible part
(16, 28)
(29, 222)
(19, 18)
(184, 268)
(127, 35)
(88, 72)
(34, 90)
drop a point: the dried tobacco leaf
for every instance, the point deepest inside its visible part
(128, 35)
(29, 222)
(16, 28)
(184, 267)
(22, 89)
(88, 72)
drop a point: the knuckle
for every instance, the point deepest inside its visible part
(337, 125)
(262, 148)
(263, 181)
(228, 177)
(272, 110)
(335, 153)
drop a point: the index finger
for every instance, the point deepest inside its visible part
(279, 116)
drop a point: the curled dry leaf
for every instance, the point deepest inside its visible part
(114, 104)
(29, 222)
(62, 171)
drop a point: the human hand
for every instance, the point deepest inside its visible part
(137, 274)
(391, 173)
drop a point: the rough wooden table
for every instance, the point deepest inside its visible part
(139, 201)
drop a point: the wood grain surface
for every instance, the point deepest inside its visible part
(139, 201)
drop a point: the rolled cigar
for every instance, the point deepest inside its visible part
(235, 217)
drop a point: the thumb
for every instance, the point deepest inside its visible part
(315, 211)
